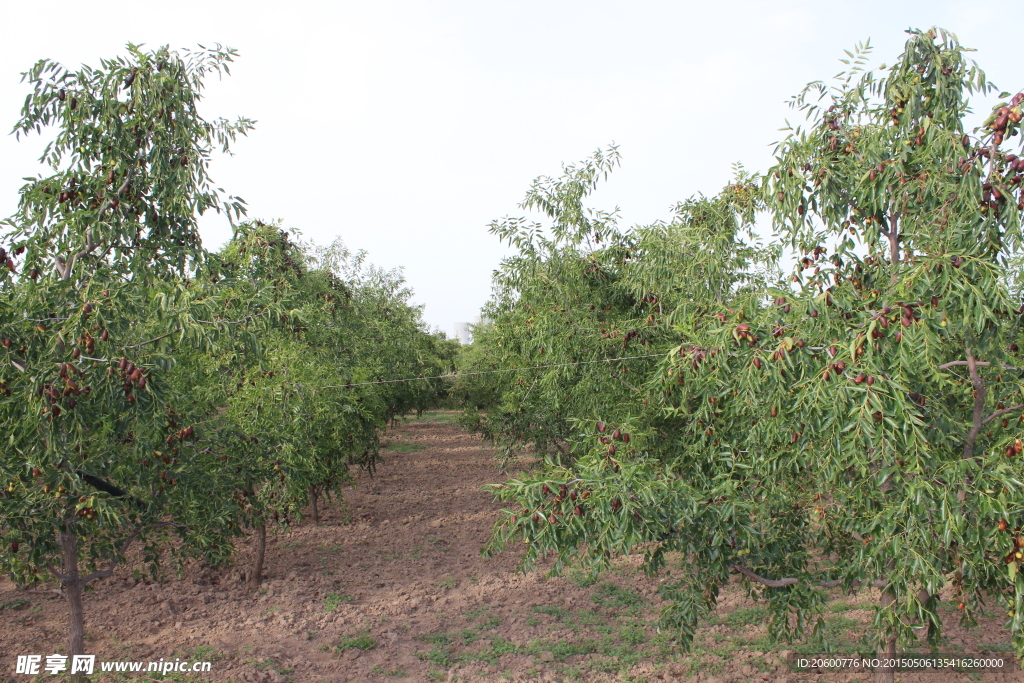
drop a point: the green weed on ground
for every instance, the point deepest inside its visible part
(359, 640)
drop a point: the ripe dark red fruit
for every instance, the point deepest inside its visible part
(600, 426)
(14, 546)
(625, 438)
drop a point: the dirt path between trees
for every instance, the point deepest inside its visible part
(391, 587)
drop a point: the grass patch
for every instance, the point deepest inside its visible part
(613, 596)
(474, 614)
(438, 417)
(634, 634)
(439, 656)
(582, 579)
(359, 640)
(745, 616)
(332, 600)
(439, 544)
(437, 638)
(381, 671)
(406, 447)
(13, 604)
(335, 547)
(552, 610)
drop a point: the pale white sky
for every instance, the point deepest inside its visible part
(406, 126)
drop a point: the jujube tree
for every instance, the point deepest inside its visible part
(95, 297)
(856, 425)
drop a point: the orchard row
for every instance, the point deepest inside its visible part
(836, 405)
(159, 396)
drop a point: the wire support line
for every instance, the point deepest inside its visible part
(491, 372)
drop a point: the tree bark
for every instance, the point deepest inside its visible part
(314, 495)
(72, 584)
(256, 575)
(886, 674)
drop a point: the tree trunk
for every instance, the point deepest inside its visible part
(256, 575)
(73, 590)
(314, 494)
(884, 673)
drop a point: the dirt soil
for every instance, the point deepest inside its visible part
(391, 586)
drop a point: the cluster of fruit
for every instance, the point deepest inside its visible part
(6, 259)
(617, 435)
(743, 333)
(67, 372)
(133, 377)
(696, 353)
(1017, 553)
(1005, 115)
(573, 496)
(838, 368)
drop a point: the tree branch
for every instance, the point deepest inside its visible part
(979, 405)
(155, 339)
(782, 583)
(104, 573)
(1002, 412)
(979, 363)
(64, 268)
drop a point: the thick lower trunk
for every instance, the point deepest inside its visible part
(887, 651)
(72, 584)
(256, 576)
(314, 495)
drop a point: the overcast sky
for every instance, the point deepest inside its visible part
(404, 127)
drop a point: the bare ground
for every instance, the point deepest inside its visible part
(391, 587)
